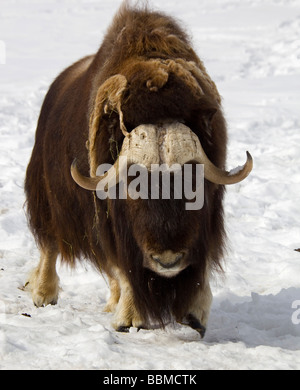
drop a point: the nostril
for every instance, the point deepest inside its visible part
(156, 258)
(179, 257)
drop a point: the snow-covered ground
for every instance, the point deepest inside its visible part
(251, 48)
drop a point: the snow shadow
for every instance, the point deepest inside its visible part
(260, 320)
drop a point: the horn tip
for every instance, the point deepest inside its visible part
(249, 160)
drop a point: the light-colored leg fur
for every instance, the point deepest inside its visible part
(121, 302)
(43, 281)
(115, 294)
(200, 308)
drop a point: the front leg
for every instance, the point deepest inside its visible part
(126, 314)
(115, 294)
(43, 282)
(198, 312)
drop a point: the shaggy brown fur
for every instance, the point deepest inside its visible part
(162, 72)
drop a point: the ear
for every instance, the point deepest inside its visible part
(207, 118)
(209, 114)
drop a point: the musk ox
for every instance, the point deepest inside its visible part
(145, 95)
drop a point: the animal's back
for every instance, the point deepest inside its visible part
(141, 32)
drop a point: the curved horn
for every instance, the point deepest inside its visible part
(139, 147)
(142, 146)
(219, 176)
(88, 183)
(184, 146)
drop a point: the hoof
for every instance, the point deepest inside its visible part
(43, 291)
(195, 324)
(123, 329)
(141, 328)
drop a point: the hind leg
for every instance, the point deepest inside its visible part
(43, 281)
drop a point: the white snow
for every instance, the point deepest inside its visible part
(251, 48)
